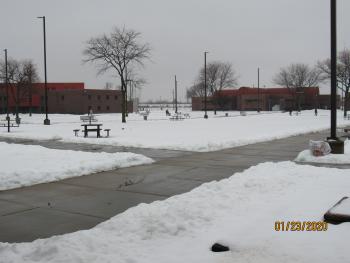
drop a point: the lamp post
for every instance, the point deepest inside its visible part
(7, 94)
(175, 95)
(46, 121)
(205, 85)
(258, 89)
(337, 145)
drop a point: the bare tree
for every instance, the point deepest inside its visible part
(296, 77)
(343, 74)
(31, 76)
(220, 75)
(21, 76)
(196, 90)
(119, 50)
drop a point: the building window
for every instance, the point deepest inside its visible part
(115, 97)
(98, 107)
(62, 97)
(107, 107)
(107, 97)
(98, 97)
(89, 97)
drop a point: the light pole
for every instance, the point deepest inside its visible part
(7, 94)
(175, 95)
(205, 85)
(337, 145)
(46, 121)
(258, 89)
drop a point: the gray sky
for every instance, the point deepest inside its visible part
(249, 33)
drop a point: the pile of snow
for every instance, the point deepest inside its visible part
(24, 165)
(239, 212)
(195, 134)
(306, 156)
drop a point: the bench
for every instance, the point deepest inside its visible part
(89, 118)
(107, 130)
(187, 115)
(243, 113)
(6, 125)
(177, 117)
(9, 123)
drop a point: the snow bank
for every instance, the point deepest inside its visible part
(306, 156)
(239, 212)
(23, 165)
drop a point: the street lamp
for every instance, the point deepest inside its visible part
(258, 89)
(7, 94)
(175, 95)
(46, 121)
(205, 85)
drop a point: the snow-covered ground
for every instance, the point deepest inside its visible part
(239, 212)
(195, 134)
(306, 156)
(23, 165)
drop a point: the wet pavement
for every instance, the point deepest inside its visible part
(79, 203)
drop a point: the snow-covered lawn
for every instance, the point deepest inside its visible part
(195, 134)
(306, 156)
(239, 212)
(23, 165)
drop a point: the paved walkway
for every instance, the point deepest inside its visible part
(80, 203)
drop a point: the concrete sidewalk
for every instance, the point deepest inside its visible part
(80, 203)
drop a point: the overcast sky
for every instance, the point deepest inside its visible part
(248, 33)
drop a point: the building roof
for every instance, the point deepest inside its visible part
(270, 91)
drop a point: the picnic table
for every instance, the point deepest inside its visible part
(9, 123)
(92, 127)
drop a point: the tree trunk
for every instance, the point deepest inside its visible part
(346, 101)
(123, 106)
(123, 99)
(126, 100)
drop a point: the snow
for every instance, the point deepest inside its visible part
(306, 156)
(24, 165)
(216, 132)
(343, 208)
(239, 212)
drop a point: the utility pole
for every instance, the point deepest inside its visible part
(7, 93)
(258, 89)
(175, 95)
(205, 85)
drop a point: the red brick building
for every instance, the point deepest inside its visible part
(246, 98)
(67, 98)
